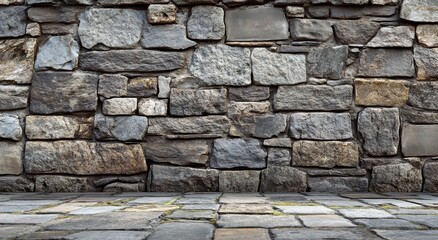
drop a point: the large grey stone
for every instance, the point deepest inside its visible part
(59, 127)
(93, 235)
(270, 68)
(325, 154)
(116, 28)
(427, 35)
(415, 115)
(328, 62)
(419, 11)
(188, 102)
(424, 95)
(184, 230)
(402, 177)
(131, 60)
(426, 61)
(355, 31)
(13, 97)
(401, 36)
(419, 140)
(244, 115)
(249, 94)
(132, 128)
(192, 125)
(13, 21)
(310, 29)
(283, 179)
(16, 184)
(17, 60)
(279, 157)
(54, 14)
(58, 52)
(222, 65)
(83, 158)
(308, 97)
(113, 85)
(338, 184)
(381, 62)
(237, 153)
(270, 125)
(63, 92)
(430, 178)
(51, 183)
(239, 181)
(10, 160)
(311, 233)
(256, 24)
(169, 36)
(408, 234)
(321, 126)
(183, 179)
(379, 128)
(10, 127)
(206, 23)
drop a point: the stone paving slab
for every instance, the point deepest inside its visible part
(387, 223)
(305, 209)
(241, 234)
(315, 221)
(408, 235)
(98, 235)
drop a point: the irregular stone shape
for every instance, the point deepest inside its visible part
(83, 158)
(279, 157)
(169, 36)
(16, 184)
(243, 116)
(419, 140)
(325, 154)
(131, 128)
(187, 152)
(379, 128)
(10, 161)
(426, 61)
(384, 2)
(270, 125)
(50, 183)
(17, 59)
(402, 177)
(355, 31)
(59, 28)
(292, 11)
(192, 125)
(321, 126)
(381, 92)
(129, 2)
(283, 179)
(183, 179)
(427, 35)
(235, 153)
(33, 29)
(13, 21)
(222, 65)
(131, 60)
(109, 27)
(119, 106)
(424, 95)
(249, 94)
(401, 36)
(113, 85)
(419, 11)
(10, 127)
(430, 178)
(152, 107)
(338, 184)
(381, 62)
(414, 115)
(63, 92)
(328, 62)
(54, 14)
(239, 181)
(184, 230)
(142, 87)
(188, 102)
(13, 97)
(59, 127)
(58, 52)
(164, 87)
(206, 23)
(256, 24)
(11, 2)
(268, 68)
(310, 29)
(308, 97)
(161, 14)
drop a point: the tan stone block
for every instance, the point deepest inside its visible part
(381, 92)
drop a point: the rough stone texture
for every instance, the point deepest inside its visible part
(379, 129)
(239, 181)
(321, 126)
(256, 24)
(383, 62)
(206, 23)
(381, 92)
(128, 2)
(401, 177)
(426, 61)
(415, 115)
(13, 97)
(270, 125)
(193, 2)
(427, 35)
(308, 97)
(249, 94)
(16, 184)
(113, 85)
(152, 107)
(402, 36)
(292, 11)
(188, 102)
(169, 36)
(142, 87)
(132, 128)
(355, 31)
(338, 184)
(59, 127)
(430, 177)
(58, 52)
(279, 157)
(48, 183)
(54, 14)
(83, 158)
(17, 59)
(192, 125)
(10, 127)
(119, 106)
(327, 62)
(419, 11)
(309, 29)
(187, 230)
(267, 68)
(161, 14)
(237, 153)
(164, 87)
(283, 179)
(183, 179)
(325, 154)
(222, 65)
(63, 92)
(10, 161)
(419, 140)
(424, 95)
(13, 21)
(244, 115)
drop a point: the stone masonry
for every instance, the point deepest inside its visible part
(211, 95)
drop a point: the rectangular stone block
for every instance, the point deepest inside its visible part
(13, 97)
(419, 140)
(59, 127)
(424, 95)
(386, 62)
(381, 92)
(239, 181)
(426, 60)
(13, 21)
(188, 102)
(256, 24)
(191, 125)
(338, 184)
(54, 14)
(419, 11)
(238, 153)
(321, 126)
(10, 158)
(16, 60)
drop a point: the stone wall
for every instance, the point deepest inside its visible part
(203, 95)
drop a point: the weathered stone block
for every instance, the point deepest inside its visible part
(129, 2)
(239, 181)
(415, 115)
(283, 179)
(401, 36)
(13, 21)
(59, 127)
(161, 14)
(419, 11)
(355, 31)
(58, 52)
(426, 60)
(58, 28)
(325, 154)
(278, 142)
(383, 62)
(13, 97)
(427, 35)
(113, 85)
(83, 158)
(164, 86)
(402, 177)
(142, 87)
(17, 59)
(16, 184)
(191, 125)
(243, 116)
(49, 183)
(419, 140)
(194, 2)
(10, 127)
(430, 177)
(235, 153)
(256, 24)
(327, 62)
(54, 14)
(249, 94)
(169, 36)
(270, 125)
(310, 29)
(119, 106)
(63, 92)
(381, 92)
(132, 128)
(338, 184)
(152, 107)
(206, 23)
(321, 126)
(10, 161)
(188, 102)
(424, 95)
(279, 157)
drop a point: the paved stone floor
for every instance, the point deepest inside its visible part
(218, 216)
